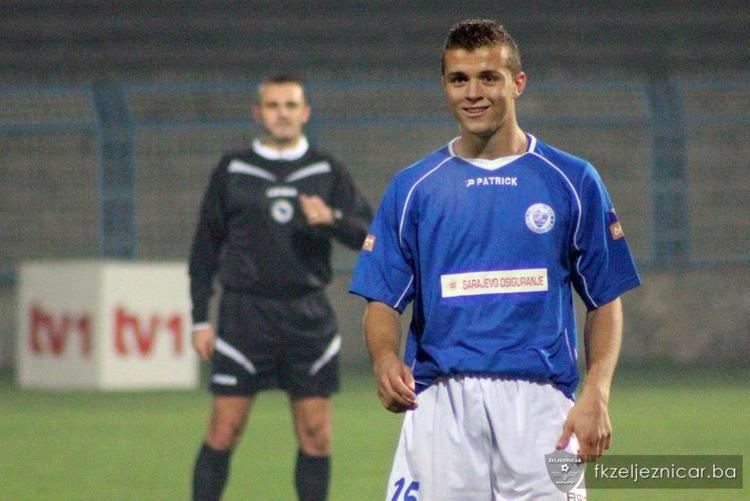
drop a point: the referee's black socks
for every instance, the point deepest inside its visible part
(210, 473)
(311, 477)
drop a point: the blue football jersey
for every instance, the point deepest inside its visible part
(489, 252)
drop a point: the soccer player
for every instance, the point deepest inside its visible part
(486, 237)
(266, 224)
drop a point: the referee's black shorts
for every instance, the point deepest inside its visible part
(263, 344)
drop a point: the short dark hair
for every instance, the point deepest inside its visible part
(281, 78)
(472, 34)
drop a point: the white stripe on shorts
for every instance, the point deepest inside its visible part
(331, 351)
(230, 351)
(224, 379)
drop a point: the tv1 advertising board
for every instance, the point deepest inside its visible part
(104, 324)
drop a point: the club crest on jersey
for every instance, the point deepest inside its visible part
(540, 218)
(282, 211)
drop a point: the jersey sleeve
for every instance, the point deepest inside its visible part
(385, 270)
(603, 267)
(353, 213)
(207, 244)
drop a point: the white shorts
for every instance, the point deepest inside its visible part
(481, 438)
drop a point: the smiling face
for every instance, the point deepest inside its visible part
(481, 88)
(282, 112)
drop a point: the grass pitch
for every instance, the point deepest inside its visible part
(141, 445)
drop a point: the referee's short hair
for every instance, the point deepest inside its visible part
(472, 34)
(281, 78)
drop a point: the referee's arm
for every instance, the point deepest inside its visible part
(206, 246)
(352, 213)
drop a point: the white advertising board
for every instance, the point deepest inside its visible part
(105, 325)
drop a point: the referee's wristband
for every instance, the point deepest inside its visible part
(201, 325)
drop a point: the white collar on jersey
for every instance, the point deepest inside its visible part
(495, 163)
(292, 153)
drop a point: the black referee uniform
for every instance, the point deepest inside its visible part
(276, 327)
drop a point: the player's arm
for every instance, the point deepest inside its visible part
(394, 379)
(589, 417)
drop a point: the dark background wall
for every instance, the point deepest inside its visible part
(113, 113)
(80, 39)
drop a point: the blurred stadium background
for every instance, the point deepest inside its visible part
(112, 115)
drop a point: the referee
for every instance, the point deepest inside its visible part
(266, 224)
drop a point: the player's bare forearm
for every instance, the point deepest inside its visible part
(602, 338)
(382, 329)
(589, 420)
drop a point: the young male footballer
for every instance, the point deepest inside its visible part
(487, 237)
(266, 224)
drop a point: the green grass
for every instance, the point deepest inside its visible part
(141, 445)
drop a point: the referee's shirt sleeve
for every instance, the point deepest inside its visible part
(352, 212)
(603, 268)
(207, 243)
(384, 270)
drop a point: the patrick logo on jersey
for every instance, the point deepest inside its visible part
(492, 181)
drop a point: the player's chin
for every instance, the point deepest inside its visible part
(478, 129)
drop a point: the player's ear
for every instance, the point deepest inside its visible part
(519, 83)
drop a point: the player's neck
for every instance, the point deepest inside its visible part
(504, 142)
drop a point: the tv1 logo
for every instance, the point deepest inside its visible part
(143, 332)
(55, 333)
(49, 333)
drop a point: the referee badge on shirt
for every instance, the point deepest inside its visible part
(282, 211)
(540, 218)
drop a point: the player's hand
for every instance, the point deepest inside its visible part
(204, 340)
(315, 210)
(589, 421)
(395, 385)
